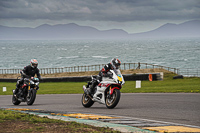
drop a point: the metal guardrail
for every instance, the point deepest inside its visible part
(190, 72)
(10, 71)
(98, 67)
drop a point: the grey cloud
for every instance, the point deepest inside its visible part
(100, 10)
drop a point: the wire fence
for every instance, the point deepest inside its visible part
(98, 67)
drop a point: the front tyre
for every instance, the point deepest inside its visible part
(113, 100)
(31, 97)
(15, 101)
(86, 101)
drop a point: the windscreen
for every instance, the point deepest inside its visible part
(117, 71)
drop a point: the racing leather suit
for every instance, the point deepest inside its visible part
(105, 69)
(27, 72)
(102, 73)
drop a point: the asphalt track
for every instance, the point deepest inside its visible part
(181, 108)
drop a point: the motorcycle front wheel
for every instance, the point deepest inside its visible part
(31, 97)
(86, 101)
(113, 100)
(15, 101)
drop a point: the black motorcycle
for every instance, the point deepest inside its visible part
(27, 92)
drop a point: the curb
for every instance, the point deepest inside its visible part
(79, 119)
(118, 123)
(118, 127)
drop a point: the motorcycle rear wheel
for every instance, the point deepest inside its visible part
(86, 101)
(113, 100)
(32, 96)
(15, 101)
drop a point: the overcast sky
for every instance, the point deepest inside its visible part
(132, 16)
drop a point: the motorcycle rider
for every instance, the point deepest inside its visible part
(113, 65)
(28, 72)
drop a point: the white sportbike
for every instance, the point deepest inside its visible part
(106, 92)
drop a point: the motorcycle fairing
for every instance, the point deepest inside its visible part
(103, 84)
(112, 89)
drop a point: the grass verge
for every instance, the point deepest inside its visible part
(168, 85)
(12, 121)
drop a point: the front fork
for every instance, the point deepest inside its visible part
(29, 89)
(110, 92)
(112, 89)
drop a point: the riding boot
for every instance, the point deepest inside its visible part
(90, 90)
(17, 88)
(94, 84)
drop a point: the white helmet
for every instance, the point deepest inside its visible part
(115, 63)
(34, 63)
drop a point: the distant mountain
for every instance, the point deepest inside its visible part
(186, 29)
(60, 31)
(74, 31)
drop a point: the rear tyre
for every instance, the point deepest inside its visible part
(113, 100)
(86, 101)
(15, 101)
(31, 97)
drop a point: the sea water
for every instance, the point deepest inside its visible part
(177, 53)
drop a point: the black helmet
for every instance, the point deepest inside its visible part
(115, 63)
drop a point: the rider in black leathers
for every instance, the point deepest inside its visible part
(114, 64)
(28, 72)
